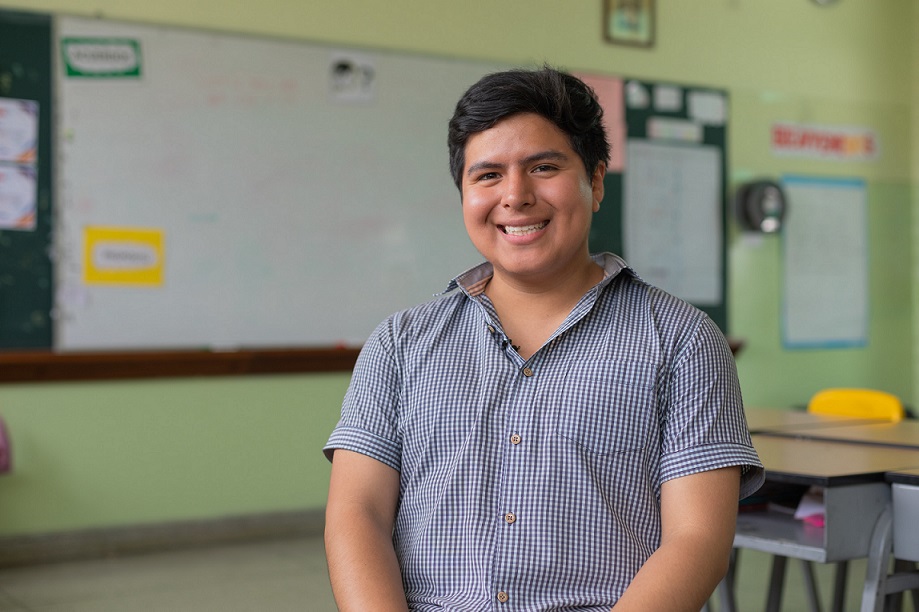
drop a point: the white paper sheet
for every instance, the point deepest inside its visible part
(672, 219)
(825, 245)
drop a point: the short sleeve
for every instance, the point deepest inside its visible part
(369, 413)
(704, 426)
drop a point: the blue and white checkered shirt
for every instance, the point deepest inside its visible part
(535, 485)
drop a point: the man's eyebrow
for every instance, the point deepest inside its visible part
(550, 155)
(483, 165)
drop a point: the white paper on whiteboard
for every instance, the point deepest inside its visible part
(672, 218)
(825, 248)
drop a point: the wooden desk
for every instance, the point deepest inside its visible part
(904, 434)
(761, 420)
(857, 507)
(855, 495)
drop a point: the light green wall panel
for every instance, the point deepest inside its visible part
(93, 454)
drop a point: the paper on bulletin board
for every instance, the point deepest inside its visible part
(825, 249)
(18, 130)
(18, 196)
(123, 256)
(672, 218)
(18, 156)
(101, 57)
(609, 94)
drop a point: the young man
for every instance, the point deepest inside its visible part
(553, 433)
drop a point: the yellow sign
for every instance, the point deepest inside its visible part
(122, 256)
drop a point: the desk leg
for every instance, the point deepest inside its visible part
(776, 584)
(839, 586)
(878, 562)
(810, 584)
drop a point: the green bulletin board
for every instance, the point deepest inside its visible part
(26, 268)
(670, 180)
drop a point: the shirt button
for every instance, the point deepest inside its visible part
(515, 439)
(491, 328)
(527, 372)
(502, 597)
(510, 518)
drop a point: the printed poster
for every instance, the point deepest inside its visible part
(18, 157)
(825, 248)
(18, 189)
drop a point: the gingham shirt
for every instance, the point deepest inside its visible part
(535, 484)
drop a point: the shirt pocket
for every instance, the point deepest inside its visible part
(608, 409)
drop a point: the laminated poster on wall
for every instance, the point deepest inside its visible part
(825, 252)
(672, 220)
(18, 157)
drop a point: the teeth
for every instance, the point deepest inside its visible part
(523, 230)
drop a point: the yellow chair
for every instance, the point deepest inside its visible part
(858, 403)
(855, 403)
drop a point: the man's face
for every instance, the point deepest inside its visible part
(527, 199)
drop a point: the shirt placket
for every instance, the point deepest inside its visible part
(513, 536)
(510, 593)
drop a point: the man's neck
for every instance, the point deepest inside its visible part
(531, 312)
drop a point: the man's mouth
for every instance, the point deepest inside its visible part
(523, 230)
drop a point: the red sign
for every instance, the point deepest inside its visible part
(817, 142)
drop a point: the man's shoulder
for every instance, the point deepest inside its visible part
(441, 312)
(630, 290)
(659, 320)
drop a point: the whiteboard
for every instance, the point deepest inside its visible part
(294, 206)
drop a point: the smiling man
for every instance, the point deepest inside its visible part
(552, 433)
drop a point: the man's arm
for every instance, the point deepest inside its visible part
(360, 513)
(698, 515)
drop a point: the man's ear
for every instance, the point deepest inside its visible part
(596, 184)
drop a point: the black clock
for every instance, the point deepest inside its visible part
(760, 206)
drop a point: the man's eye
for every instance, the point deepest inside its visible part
(543, 168)
(487, 176)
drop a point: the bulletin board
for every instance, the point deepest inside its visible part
(26, 108)
(222, 193)
(665, 203)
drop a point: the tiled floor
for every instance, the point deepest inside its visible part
(271, 576)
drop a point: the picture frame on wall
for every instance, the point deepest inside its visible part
(629, 22)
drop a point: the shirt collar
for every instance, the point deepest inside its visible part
(473, 280)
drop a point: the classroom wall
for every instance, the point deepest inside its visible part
(122, 453)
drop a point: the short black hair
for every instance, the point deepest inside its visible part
(563, 99)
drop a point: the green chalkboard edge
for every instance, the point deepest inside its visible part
(44, 366)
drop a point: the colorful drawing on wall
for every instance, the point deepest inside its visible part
(18, 131)
(629, 22)
(18, 158)
(18, 197)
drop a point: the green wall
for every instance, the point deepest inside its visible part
(104, 454)
(89, 455)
